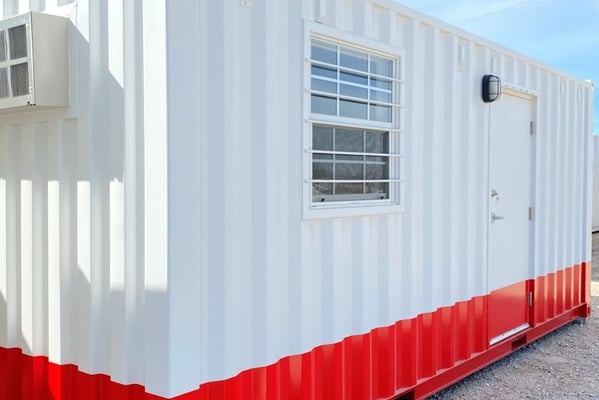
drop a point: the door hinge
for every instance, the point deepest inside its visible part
(532, 127)
(531, 213)
(530, 299)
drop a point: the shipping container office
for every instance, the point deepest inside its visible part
(185, 226)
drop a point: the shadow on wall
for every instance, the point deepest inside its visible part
(74, 238)
(22, 377)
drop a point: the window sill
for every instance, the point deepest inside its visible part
(351, 210)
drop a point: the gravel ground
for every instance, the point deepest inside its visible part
(561, 365)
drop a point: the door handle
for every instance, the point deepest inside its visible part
(495, 217)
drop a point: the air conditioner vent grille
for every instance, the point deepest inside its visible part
(17, 41)
(19, 79)
(2, 46)
(4, 89)
(14, 64)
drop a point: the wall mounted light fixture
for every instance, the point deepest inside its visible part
(491, 88)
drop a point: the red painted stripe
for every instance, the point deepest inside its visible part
(414, 357)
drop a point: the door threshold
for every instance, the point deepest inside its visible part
(509, 333)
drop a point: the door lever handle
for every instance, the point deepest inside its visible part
(495, 217)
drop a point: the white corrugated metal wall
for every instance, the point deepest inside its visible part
(83, 201)
(87, 220)
(271, 283)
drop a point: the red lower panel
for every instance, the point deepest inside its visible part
(559, 291)
(410, 359)
(508, 309)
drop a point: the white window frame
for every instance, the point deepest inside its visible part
(362, 207)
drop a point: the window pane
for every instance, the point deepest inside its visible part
(322, 138)
(353, 170)
(353, 91)
(354, 78)
(353, 109)
(381, 66)
(324, 86)
(349, 188)
(349, 140)
(322, 170)
(380, 113)
(381, 83)
(380, 188)
(378, 95)
(354, 59)
(321, 189)
(17, 40)
(376, 142)
(324, 105)
(19, 79)
(374, 171)
(324, 52)
(324, 72)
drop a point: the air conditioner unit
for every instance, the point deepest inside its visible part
(34, 62)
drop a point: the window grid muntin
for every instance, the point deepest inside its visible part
(320, 63)
(351, 98)
(370, 87)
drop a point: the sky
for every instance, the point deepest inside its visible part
(561, 33)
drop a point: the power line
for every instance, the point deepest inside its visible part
(501, 11)
(435, 5)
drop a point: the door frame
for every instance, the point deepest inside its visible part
(532, 97)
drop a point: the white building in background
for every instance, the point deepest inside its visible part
(273, 199)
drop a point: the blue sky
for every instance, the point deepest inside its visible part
(563, 34)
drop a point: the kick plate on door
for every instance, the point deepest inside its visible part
(509, 333)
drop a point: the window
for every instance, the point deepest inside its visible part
(349, 164)
(354, 127)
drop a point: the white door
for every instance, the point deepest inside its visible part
(509, 225)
